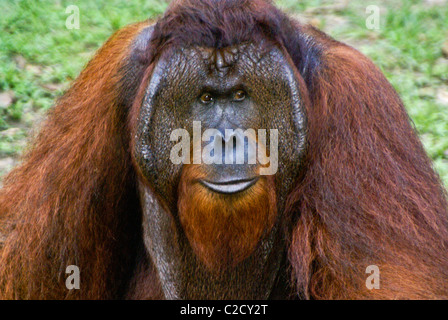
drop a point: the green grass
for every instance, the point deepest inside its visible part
(35, 31)
(39, 56)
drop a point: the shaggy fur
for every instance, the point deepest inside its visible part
(368, 194)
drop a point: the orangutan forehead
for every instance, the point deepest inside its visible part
(229, 61)
(260, 70)
(224, 58)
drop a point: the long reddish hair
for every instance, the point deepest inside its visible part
(368, 194)
(73, 200)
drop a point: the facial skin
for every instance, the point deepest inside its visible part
(216, 230)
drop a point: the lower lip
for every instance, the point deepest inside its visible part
(229, 187)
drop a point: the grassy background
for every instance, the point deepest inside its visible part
(40, 57)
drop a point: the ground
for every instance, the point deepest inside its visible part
(40, 57)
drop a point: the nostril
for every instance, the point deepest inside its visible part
(230, 148)
(234, 142)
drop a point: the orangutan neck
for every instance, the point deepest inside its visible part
(183, 276)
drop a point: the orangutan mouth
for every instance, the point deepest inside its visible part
(231, 186)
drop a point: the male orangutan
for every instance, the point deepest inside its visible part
(97, 189)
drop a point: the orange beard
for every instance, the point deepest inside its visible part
(224, 229)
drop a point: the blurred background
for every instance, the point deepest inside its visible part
(40, 56)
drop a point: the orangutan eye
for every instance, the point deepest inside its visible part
(206, 98)
(240, 95)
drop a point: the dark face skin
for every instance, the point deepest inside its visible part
(246, 86)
